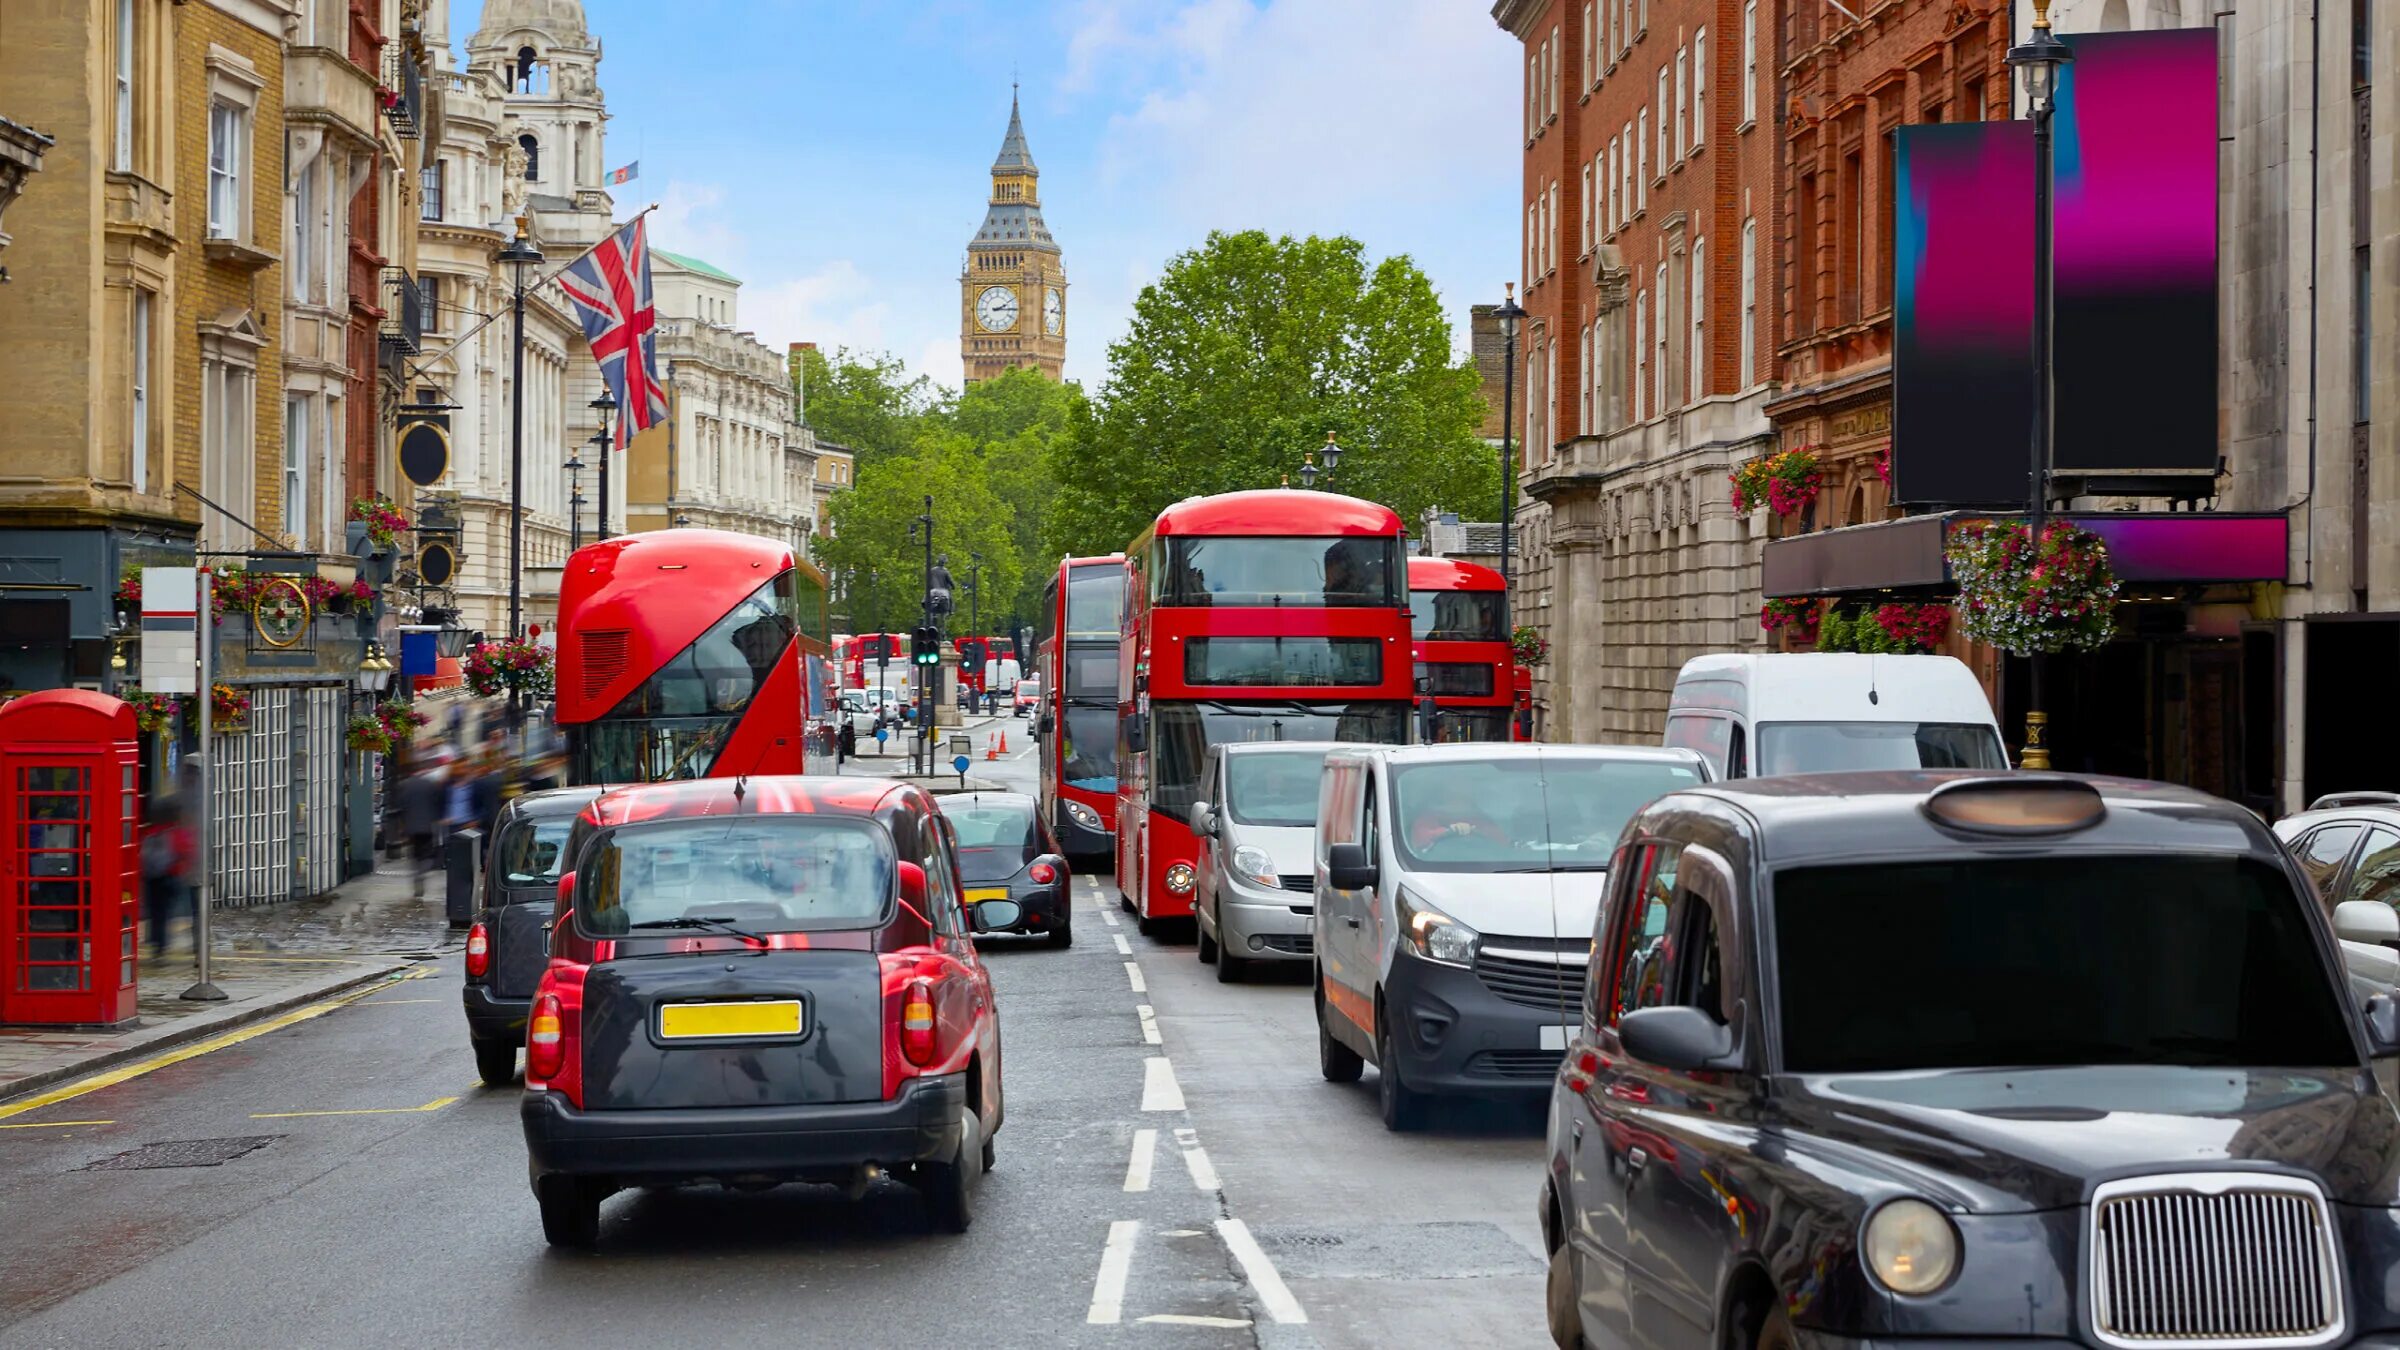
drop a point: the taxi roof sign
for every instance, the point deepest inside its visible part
(2019, 804)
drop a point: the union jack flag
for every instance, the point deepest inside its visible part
(610, 288)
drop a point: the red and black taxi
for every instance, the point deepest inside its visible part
(756, 981)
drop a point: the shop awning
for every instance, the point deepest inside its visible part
(1907, 556)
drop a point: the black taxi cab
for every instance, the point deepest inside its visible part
(1947, 1057)
(759, 981)
(508, 945)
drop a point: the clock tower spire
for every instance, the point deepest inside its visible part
(1013, 293)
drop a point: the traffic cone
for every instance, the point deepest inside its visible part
(1004, 742)
(988, 751)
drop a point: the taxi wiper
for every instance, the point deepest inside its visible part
(715, 925)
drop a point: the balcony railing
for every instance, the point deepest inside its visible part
(403, 320)
(403, 90)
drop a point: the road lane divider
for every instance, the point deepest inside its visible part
(1160, 1091)
(1195, 1161)
(52, 1124)
(1116, 1262)
(1133, 974)
(1272, 1293)
(1194, 1320)
(1124, 948)
(1137, 1168)
(428, 1108)
(1149, 1023)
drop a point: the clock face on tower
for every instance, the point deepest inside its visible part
(996, 309)
(1054, 311)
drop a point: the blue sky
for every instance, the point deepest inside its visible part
(834, 153)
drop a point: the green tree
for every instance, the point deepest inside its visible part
(867, 402)
(1015, 422)
(880, 567)
(1244, 354)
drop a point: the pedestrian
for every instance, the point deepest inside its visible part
(422, 796)
(846, 747)
(169, 852)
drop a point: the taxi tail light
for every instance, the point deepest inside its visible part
(479, 952)
(1041, 873)
(916, 1023)
(546, 1038)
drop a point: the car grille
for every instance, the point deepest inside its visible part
(2212, 1259)
(1535, 983)
(1303, 882)
(1521, 1065)
(1290, 944)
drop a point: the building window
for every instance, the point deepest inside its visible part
(1683, 113)
(1851, 239)
(121, 159)
(430, 181)
(1641, 162)
(1555, 45)
(1699, 88)
(295, 469)
(226, 445)
(1586, 231)
(1886, 181)
(1591, 52)
(1666, 139)
(1695, 360)
(140, 440)
(429, 292)
(228, 148)
(303, 267)
(1533, 93)
(1533, 227)
(1552, 212)
(533, 157)
(1749, 352)
(1616, 176)
(1666, 309)
(1749, 62)
(1806, 259)
(1641, 354)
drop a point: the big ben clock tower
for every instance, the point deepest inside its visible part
(1012, 307)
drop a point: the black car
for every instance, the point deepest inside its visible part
(509, 944)
(1946, 1058)
(1006, 852)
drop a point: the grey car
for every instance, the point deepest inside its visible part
(1255, 882)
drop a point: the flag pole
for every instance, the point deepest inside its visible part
(614, 229)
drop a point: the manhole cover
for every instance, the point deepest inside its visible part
(181, 1153)
(1400, 1251)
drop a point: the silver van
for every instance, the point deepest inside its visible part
(1456, 889)
(1256, 821)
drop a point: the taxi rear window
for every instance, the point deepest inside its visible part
(2051, 962)
(764, 874)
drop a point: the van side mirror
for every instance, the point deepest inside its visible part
(2369, 921)
(1204, 820)
(1347, 867)
(2381, 1013)
(1676, 1038)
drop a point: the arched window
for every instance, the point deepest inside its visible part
(1858, 506)
(533, 157)
(524, 79)
(2115, 17)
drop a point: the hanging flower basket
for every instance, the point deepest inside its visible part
(381, 515)
(1883, 464)
(368, 735)
(228, 708)
(1530, 646)
(2024, 597)
(153, 713)
(511, 664)
(400, 721)
(1800, 616)
(129, 587)
(1786, 482)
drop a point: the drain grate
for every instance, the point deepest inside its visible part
(1400, 1251)
(181, 1153)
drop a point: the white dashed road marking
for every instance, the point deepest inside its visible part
(1160, 1091)
(1137, 1171)
(1149, 1023)
(1116, 1260)
(1260, 1272)
(1124, 948)
(1195, 1161)
(1134, 974)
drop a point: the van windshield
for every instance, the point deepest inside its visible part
(2050, 962)
(1273, 789)
(1523, 814)
(1840, 747)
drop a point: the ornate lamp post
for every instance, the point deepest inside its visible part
(575, 500)
(521, 257)
(604, 405)
(2040, 59)
(1510, 315)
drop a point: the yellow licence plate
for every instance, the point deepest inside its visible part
(703, 1021)
(975, 896)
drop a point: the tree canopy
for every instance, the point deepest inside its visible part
(1244, 354)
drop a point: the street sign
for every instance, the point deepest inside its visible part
(959, 765)
(170, 630)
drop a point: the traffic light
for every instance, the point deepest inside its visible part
(925, 647)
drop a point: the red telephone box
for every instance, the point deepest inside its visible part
(70, 859)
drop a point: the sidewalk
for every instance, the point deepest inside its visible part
(981, 728)
(268, 959)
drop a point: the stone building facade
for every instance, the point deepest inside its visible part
(1652, 154)
(1012, 295)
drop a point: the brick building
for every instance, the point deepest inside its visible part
(1652, 154)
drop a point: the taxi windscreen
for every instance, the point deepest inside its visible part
(2051, 962)
(767, 874)
(531, 851)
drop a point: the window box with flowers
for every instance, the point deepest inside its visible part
(378, 521)
(2026, 596)
(1784, 482)
(228, 708)
(508, 665)
(1888, 630)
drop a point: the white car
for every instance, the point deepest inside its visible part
(1456, 888)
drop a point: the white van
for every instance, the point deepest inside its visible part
(1751, 716)
(1456, 889)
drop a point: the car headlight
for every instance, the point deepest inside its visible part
(1179, 878)
(1252, 864)
(1083, 815)
(1911, 1247)
(1435, 935)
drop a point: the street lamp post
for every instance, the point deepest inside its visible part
(604, 405)
(575, 502)
(1510, 315)
(521, 257)
(2040, 58)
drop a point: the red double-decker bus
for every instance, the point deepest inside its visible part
(1082, 623)
(862, 657)
(1253, 616)
(1458, 617)
(692, 653)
